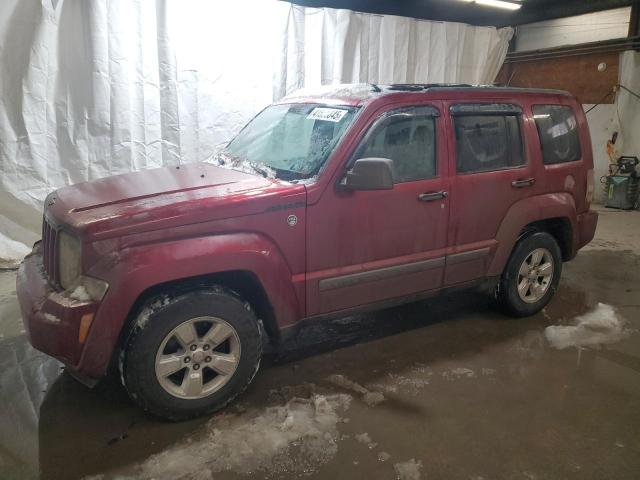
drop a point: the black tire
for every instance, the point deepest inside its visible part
(508, 297)
(157, 320)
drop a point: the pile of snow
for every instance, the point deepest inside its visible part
(223, 159)
(365, 439)
(51, 318)
(383, 456)
(370, 398)
(600, 326)
(80, 293)
(11, 252)
(408, 470)
(458, 373)
(298, 436)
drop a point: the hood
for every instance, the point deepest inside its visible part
(162, 198)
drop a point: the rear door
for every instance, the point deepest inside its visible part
(491, 170)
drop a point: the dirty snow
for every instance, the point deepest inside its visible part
(225, 160)
(370, 398)
(600, 326)
(295, 437)
(80, 293)
(360, 91)
(459, 372)
(373, 398)
(11, 252)
(51, 318)
(306, 181)
(412, 382)
(383, 456)
(150, 309)
(365, 439)
(409, 470)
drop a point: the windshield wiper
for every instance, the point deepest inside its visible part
(257, 169)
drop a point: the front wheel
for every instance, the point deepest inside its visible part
(531, 276)
(191, 354)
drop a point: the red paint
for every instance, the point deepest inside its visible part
(142, 229)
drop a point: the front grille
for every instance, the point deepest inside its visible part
(50, 250)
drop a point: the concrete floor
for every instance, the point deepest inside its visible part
(442, 389)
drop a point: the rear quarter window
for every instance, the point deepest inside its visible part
(558, 132)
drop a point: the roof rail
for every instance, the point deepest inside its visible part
(417, 87)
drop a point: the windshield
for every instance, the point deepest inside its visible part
(292, 140)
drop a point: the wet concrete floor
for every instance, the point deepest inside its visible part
(448, 388)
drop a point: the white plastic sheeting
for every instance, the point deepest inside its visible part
(324, 46)
(91, 89)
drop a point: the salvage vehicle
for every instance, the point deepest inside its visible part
(349, 199)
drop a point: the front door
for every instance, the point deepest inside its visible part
(370, 246)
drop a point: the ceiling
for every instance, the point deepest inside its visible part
(474, 14)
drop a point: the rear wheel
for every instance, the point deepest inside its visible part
(192, 354)
(531, 276)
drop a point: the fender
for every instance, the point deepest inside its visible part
(524, 212)
(133, 270)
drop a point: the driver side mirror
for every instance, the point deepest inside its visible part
(370, 174)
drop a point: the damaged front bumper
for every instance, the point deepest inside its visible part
(56, 323)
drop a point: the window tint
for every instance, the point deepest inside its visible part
(487, 142)
(558, 131)
(408, 137)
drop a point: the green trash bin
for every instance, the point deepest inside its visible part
(622, 191)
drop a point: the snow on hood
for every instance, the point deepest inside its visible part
(600, 326)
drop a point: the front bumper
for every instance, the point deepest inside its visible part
(587, 223)
(52, 319)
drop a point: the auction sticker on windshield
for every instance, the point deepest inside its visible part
(328, 114)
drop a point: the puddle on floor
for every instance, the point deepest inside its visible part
(448, 388)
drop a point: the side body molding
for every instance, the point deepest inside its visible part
(135, 269)
(524, 212)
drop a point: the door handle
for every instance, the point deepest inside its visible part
(523, 182)
(431, 196)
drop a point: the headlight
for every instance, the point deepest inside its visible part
(68, 259)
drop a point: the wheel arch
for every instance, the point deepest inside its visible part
(553, 213)
(243, 283)
(560, 229)
(247, 264)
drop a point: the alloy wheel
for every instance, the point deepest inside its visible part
(197, 358)
(535, 275)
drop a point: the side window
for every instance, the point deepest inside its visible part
(408, 137)
(487, 139)
(558, 131)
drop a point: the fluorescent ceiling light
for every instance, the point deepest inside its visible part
(499, 4)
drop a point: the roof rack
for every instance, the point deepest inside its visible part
(418, 87)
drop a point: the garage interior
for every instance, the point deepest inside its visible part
(443, 388)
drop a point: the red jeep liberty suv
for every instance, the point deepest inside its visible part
(349, 199)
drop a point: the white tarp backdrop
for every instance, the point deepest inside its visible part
(97, 88)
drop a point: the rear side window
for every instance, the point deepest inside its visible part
(558, 131)
(487, 141)
(408, 137)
